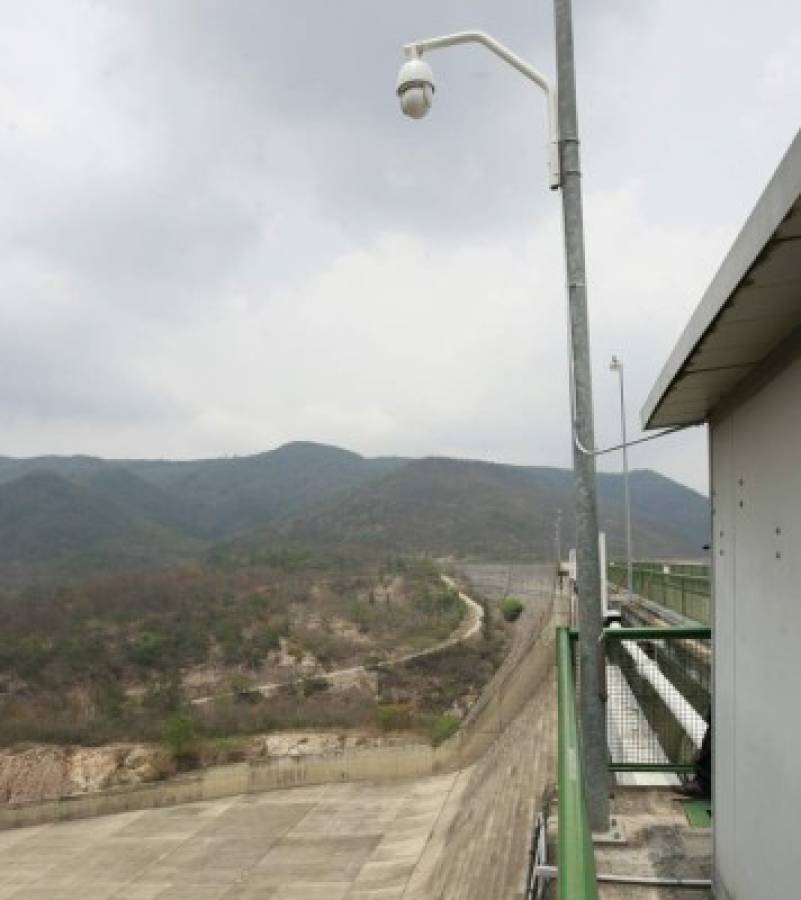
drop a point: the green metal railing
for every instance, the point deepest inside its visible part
(675, 568)
(577, 878)
(680, 591)
(658, 683)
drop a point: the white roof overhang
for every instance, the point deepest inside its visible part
(751, 307)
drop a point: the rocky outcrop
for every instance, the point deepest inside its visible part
(49, 773)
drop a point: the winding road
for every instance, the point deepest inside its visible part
(466, 631)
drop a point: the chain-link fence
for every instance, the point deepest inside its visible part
(658, 690)
(529, 661)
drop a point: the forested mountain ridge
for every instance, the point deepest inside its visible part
(214, 497)
(51, 521)
(84, 515)
(488, 510)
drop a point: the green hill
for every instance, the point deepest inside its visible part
(215, 498)
(467, 508)
(242, 493)
(81, 515)
(50, 525)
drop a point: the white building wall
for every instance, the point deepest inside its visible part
(723, 501)
(756, 484)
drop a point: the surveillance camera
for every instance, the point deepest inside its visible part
(415, 88)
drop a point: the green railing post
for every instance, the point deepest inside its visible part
(577, 879)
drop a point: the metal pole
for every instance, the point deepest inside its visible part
(593, 710)
(558, 537)
(629, 557)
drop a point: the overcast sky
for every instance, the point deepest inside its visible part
(219, 234)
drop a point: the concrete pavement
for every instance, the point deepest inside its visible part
(333, 842)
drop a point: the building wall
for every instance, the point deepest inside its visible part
(756, 498)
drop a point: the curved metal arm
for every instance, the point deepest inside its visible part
(642, 440)
(417, 48)
(591, 451)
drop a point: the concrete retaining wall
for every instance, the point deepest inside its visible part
(242, 778)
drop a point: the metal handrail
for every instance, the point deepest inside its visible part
(577, 877)
(682, 592)
(690, 632)
(700, 570)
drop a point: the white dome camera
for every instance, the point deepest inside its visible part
(415, 88)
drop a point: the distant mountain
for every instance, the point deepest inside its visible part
(215, 498)
(242, 493)
(71, 467)
(51, 524)
(447, 506)
(668, 518)
(142, 499)
(77, 515)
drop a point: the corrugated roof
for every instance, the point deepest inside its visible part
(749, 309)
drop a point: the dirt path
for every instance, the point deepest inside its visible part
(467, 630)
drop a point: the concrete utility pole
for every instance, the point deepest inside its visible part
(591, 648)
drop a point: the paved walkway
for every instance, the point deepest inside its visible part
(660, 843)
(333, 842)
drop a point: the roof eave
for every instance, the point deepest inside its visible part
(776, 202)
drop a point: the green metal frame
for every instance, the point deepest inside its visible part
(652, 567)
(700, 633)
(577, 877)
(690, 632)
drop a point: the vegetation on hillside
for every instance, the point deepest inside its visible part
(432, 692)
(49, 524)
(484, 510)
(132, 590)
(117, 657)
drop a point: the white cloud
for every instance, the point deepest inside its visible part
(219, 233)
(395, 348)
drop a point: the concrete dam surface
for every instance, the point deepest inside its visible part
(321, 843)
(462, 833)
